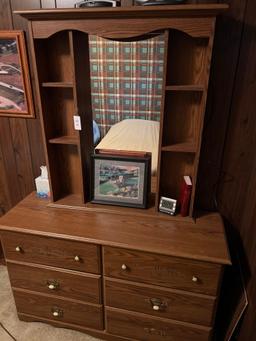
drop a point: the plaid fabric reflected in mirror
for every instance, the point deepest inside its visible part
(126, 80)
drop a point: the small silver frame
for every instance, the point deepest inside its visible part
(78, 4)
(168, 205)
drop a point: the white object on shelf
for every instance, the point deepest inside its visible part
(44, 172)
(77, 122)
(42, 183)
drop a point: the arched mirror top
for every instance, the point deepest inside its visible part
(118, 30)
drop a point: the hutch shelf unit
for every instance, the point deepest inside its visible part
(59, 40)
(117, 273)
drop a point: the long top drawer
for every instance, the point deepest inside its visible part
(172, 272)
(51, 251)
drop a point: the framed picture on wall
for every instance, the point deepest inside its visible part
(15, 87)
(121, 180)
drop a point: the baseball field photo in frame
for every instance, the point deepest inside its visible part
(15, 87)
(121, 180)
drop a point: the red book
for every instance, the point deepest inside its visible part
(185, 194)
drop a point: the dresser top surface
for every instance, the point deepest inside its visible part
(204, 240)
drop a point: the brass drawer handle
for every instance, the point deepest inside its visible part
(149, 330)
(157, 304)
(156, 332)
(57, 312)
(52, 285)
(124, 267)
(18, 249)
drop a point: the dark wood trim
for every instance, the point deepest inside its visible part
(195, 10)
(83, 107)
(202, 109)
(162, 112)
(134, 27)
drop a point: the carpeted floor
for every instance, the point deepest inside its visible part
(11, 328)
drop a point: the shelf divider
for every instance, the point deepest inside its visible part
(196, 88)
(73, 140)
(185, 147)
(57, 85)
(162, 112)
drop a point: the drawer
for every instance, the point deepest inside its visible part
(156, 301)
(86, 315)
(51, 251)
(143, 328)
(66, 283)
(177, 273)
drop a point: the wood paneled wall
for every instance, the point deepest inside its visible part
(228, 164)
(237, 181)
(21, 152)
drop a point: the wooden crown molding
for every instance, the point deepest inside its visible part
(195, 10)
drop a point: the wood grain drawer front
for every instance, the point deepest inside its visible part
(161, 270)
(87, 315)
(79, 286)
(51, 251)
(166, 303)
(141, 327)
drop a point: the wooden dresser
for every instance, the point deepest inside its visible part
(114, 276)
(118, 273)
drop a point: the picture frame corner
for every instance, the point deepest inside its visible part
(15, 93)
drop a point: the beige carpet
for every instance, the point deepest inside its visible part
(31, 331)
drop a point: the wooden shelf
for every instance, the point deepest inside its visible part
(57, 84)
(197, 88)
(186, 147)
(73, 140)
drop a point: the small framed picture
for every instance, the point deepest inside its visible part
(121, 180)
(15, 87)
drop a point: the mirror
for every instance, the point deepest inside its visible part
(126, 90)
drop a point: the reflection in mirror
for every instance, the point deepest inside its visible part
(126, 88)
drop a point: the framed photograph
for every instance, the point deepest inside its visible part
(121, 180)
(15, 87)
